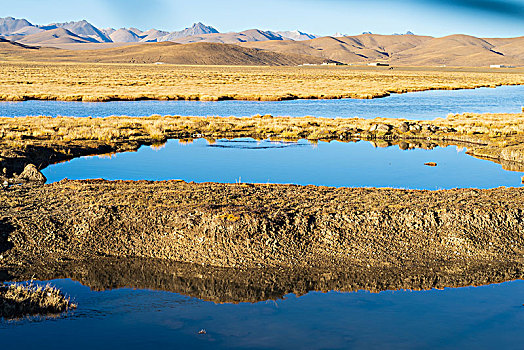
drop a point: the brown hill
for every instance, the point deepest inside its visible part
(10, 49)
(354, 49)
(460, 50)
(7, 44)
(173, 53)
(54, 36)
(454, 50)
(401, 50)
(513, 47)
(326, 47)
(85, 46)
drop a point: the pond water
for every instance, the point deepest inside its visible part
(471, 317)
(424, 105)
(335, 163)
(481, 317)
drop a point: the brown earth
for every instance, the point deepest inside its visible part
(260, 226)
(250, 226)
(53, 36)
(400, 50)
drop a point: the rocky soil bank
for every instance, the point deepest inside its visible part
(251, 226)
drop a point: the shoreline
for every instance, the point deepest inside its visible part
(233, 97)
(251, 226)
(46, 140)
(99, 82)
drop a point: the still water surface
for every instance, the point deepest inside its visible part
(472, 317)
(481, 317)
(424, 105)
(337, 164)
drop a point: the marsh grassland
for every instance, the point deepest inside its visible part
(246, 225)
(44, 140)
(106, 82)
(255, 226)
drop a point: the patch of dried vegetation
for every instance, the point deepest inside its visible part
(499, 137)
(20, 300)
(107, 82)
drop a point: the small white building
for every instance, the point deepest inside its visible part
(500, 66)
(331, 63)
(379, 64)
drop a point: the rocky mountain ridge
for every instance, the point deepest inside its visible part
(22, 30)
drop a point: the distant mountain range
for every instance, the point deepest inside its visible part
(23, 31)
(253, 46)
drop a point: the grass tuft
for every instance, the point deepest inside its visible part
(21, 300)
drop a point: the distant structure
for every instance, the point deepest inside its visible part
(323, 64)
(378, 64)
(331, 64)
(500, 66)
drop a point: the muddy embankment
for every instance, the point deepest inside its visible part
(252, 226)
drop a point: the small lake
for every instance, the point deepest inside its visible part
(141, 317)
(484, 317)
(335, 163)
(424, 105)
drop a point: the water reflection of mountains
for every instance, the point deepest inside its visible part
(237, 285)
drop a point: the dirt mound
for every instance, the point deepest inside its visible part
(249, 226)
(31, 173)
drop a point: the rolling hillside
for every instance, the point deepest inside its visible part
(54, 36)
(165, 52)
(454, 50)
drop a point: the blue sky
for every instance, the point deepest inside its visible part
(502, 18)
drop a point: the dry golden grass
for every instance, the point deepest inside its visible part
(490, 124)
(105, 82)
(17, 300)
(156, 127)
(499, 137)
